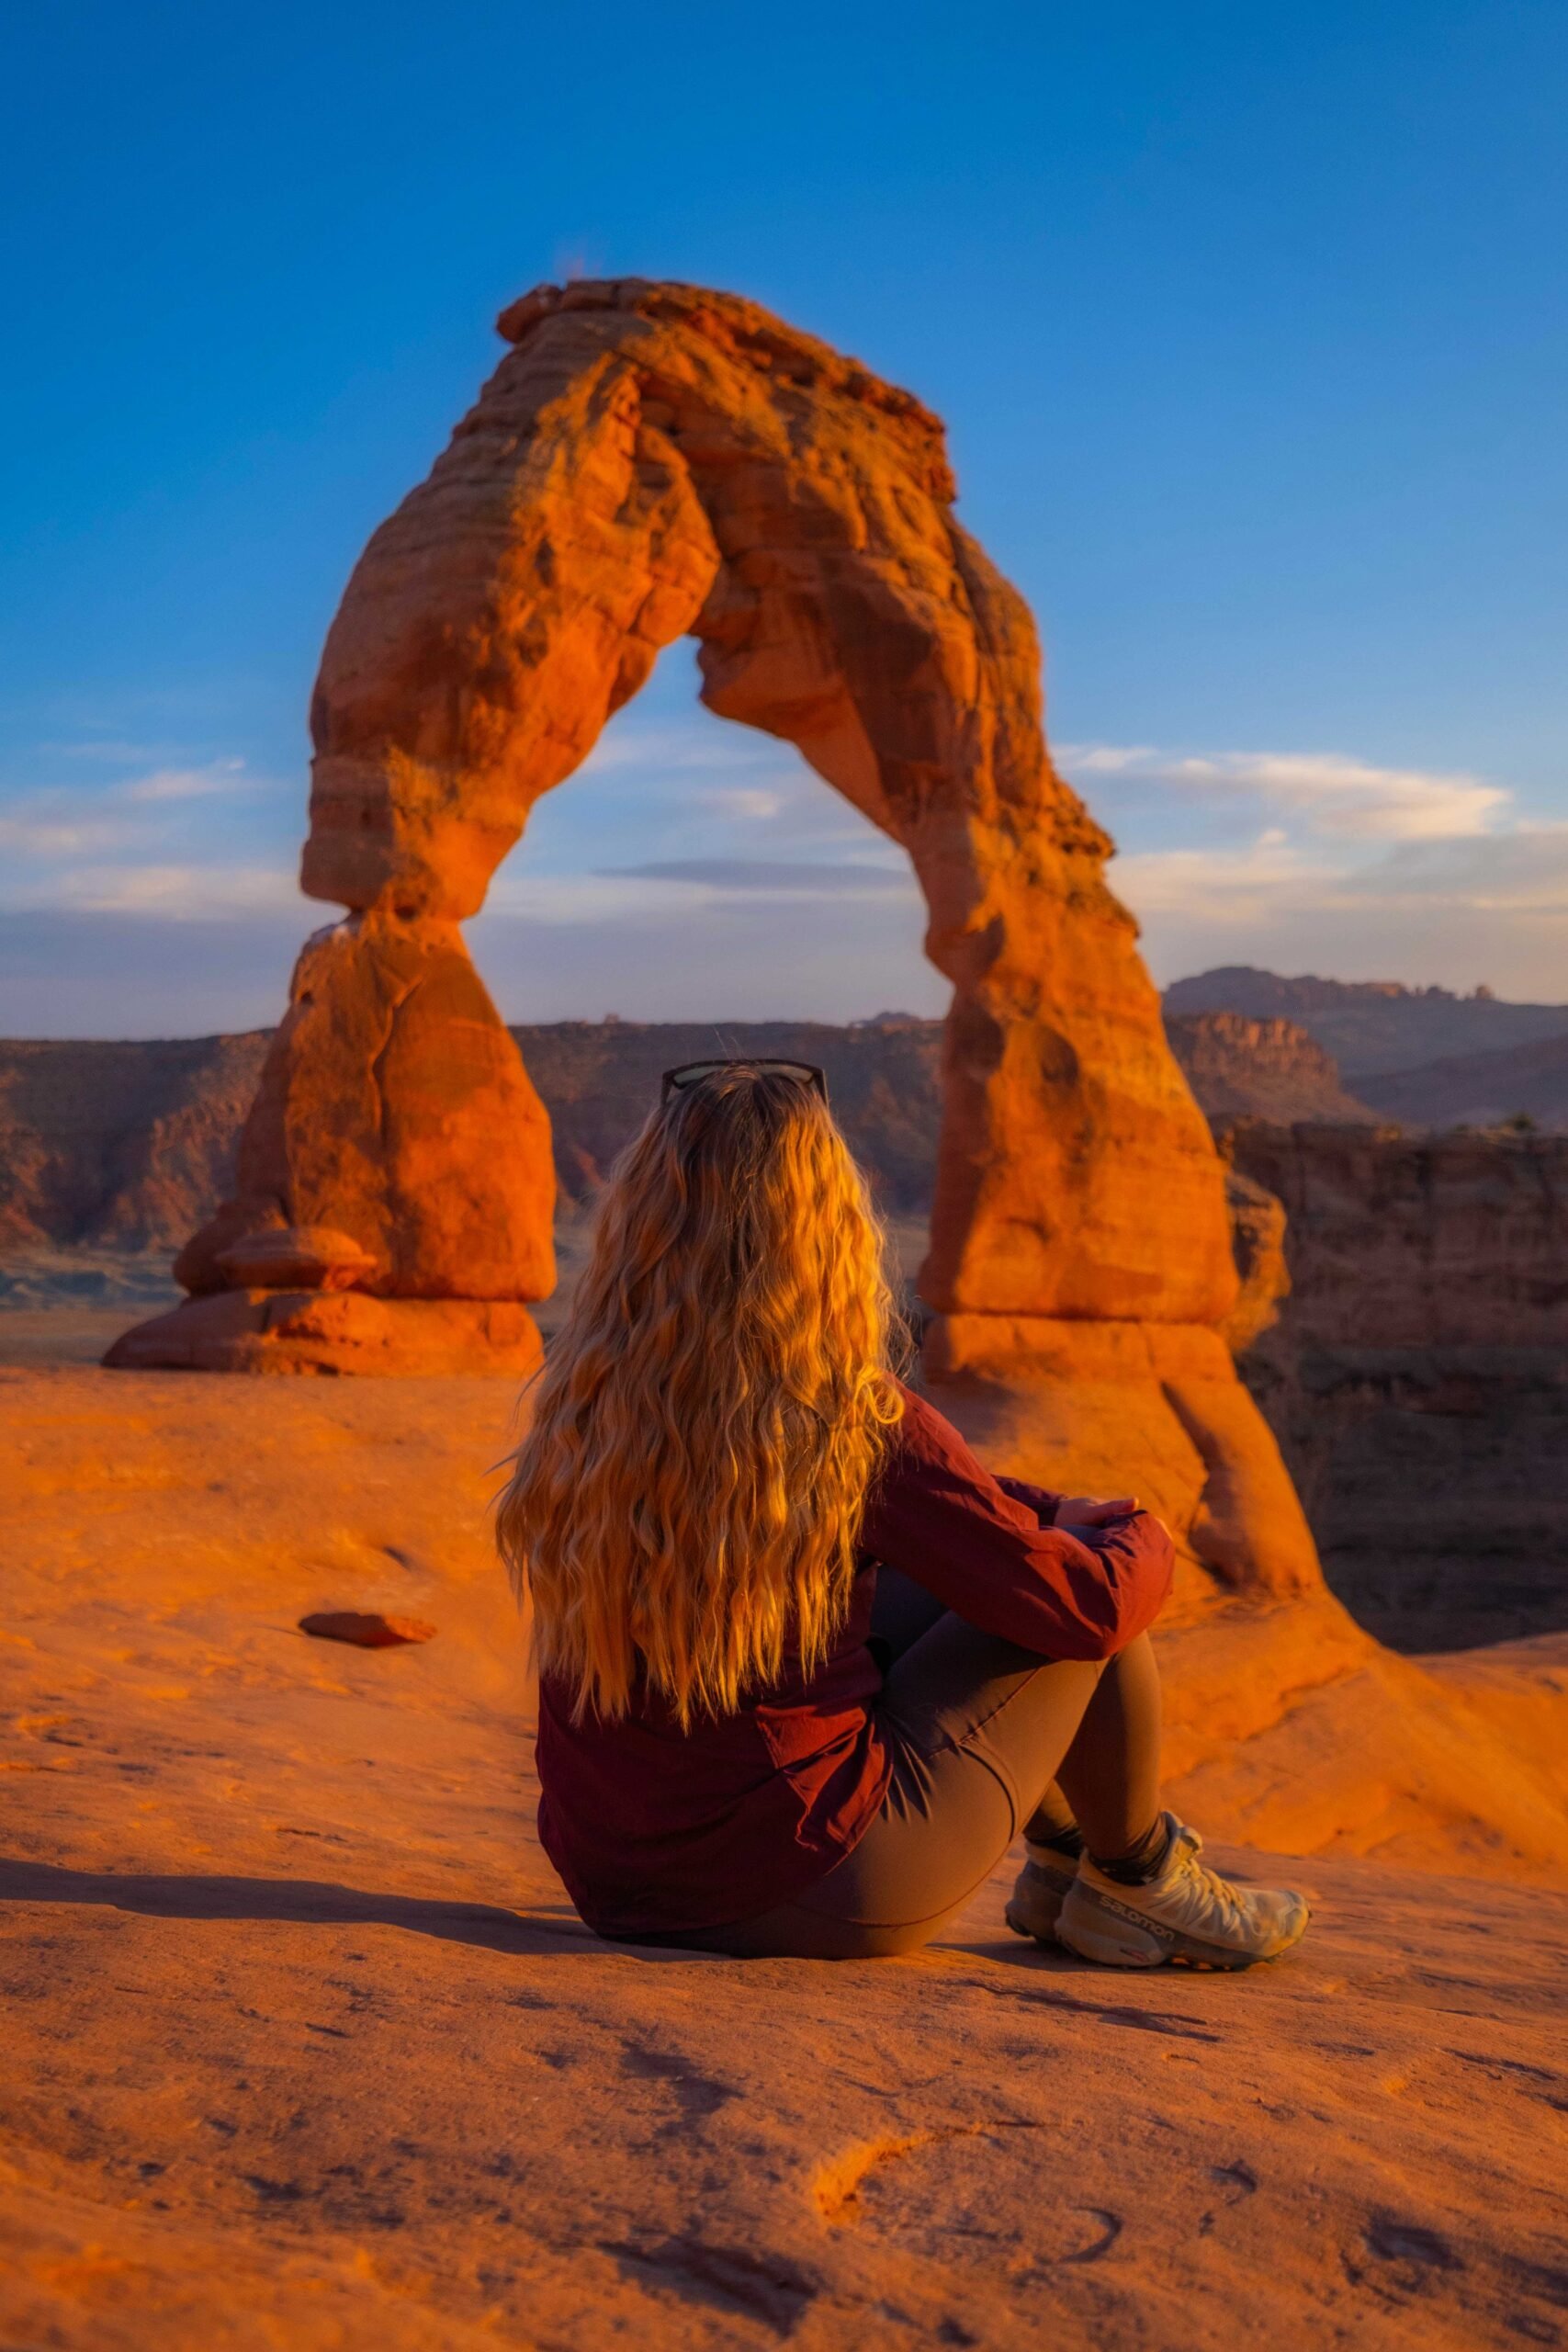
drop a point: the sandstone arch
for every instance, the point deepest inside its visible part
(651, 460)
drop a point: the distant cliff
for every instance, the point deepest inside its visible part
(131, 1144)
(1417, 1377)
(1371, 1025)
(1399, 1240)
(123, 1146)
(1270, 1068)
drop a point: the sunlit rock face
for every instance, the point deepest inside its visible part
(650, 461)
(394, 1108)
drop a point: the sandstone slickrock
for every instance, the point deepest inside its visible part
(304, 2050)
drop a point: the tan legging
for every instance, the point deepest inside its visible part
(987, 1738)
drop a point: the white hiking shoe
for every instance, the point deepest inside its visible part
(1189, 1915)
(1040, 1888)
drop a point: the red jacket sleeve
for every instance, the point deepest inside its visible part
(937, 1514)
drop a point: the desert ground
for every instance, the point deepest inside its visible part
(304, 2047)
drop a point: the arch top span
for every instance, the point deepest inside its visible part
(649, 461)
(654, 460)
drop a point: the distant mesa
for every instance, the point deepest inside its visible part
(1372, 1026)
(1266, 1067)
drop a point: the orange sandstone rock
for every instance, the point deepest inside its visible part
(296, 1256)
(647, 461)
(331, 1331)
(367, 1629)
(651, 460)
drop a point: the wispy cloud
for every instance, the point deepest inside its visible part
(1329, 792)
(1493, 909)
(690, 746)
(186, 784)
(41, 827)
(780, 878)
(696, 869)
(175, 893)
(159, 841)
(751, 803)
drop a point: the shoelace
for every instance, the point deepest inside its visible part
(1206, 1881)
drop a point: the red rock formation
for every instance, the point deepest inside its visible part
(1258, 1240)
(653, 460)
(1262, 1069)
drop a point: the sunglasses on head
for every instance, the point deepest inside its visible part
(689, 1073)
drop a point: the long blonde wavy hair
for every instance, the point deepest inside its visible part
(688, 1496)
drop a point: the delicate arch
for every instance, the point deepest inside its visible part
(647, 461)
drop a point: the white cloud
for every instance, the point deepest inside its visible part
(1318, 860)
(1493, 909)
(38, 829)
(162, 841)
(566, 901)
(185, 784)
(746, 801)
(725, 878)
(174, 893)
(1221, 886)
(708, 873)
(1331, 793)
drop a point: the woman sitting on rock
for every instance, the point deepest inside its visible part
(805, 1667)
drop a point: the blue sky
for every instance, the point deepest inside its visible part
(1247, 326)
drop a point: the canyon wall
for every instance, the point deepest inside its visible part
(120, 1146)
(133, 1144)
(1417, 1374)
(1267, 1067)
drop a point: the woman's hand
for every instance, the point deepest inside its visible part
(1088, 1510)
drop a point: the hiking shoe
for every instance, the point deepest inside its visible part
(1038, 1892)
(1189, 1915)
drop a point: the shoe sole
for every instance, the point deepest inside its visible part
(1031, 1935)
(1115, 1944)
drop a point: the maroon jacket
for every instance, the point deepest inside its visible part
(654, 1829)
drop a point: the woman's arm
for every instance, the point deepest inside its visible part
(979, 1545)
(1039, 1499)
